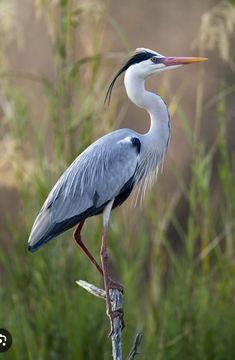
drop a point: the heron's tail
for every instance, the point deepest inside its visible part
(41, 231)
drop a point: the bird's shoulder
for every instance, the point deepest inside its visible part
(110, 147)
(113, 139)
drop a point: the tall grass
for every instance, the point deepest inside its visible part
(178, 274)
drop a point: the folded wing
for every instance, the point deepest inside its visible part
(104, 171)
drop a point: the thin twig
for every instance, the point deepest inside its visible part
(100, 293)
(134, 349)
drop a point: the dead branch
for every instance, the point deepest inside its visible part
(116, 298)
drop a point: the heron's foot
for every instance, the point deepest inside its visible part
(115, 285)
(114, 314)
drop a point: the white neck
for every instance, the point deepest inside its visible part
(158, 134)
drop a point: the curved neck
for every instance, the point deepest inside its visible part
(152, 103)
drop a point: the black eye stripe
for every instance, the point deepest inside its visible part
(139, 57)
(135, 59)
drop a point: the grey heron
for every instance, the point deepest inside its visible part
(104, 175)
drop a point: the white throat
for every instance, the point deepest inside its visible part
(155, 142)
(152, 103)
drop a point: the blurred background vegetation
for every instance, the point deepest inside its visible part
(175, 254)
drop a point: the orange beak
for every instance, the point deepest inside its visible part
(168, 61)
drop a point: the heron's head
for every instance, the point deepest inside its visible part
(146, 62)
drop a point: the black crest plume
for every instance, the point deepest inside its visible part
(135, 59)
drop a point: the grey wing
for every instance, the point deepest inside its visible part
(97, 176)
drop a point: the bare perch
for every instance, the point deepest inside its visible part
(116, 298)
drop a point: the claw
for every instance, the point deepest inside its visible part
(108, 282)
(115, 285)
(112, 315)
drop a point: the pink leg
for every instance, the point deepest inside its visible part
(78, 238)
(108, 282)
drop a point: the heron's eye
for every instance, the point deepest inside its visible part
(153, 59)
